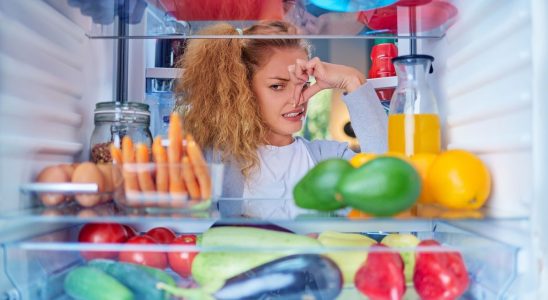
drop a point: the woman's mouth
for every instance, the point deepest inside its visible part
(295, 115)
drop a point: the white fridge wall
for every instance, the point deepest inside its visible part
(491, 74)
(484, 78)
(51, 77)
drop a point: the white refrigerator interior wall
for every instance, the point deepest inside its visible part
(52, 76)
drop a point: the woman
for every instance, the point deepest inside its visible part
(245, 98)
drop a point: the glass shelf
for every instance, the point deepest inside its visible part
(37, 266)
(314, 19)
(230, 211)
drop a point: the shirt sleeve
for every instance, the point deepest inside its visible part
(368, 118)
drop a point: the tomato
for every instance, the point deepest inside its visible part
(148, 258)
(161, 234)
(130, 231)
(181, 262)
(108, 233)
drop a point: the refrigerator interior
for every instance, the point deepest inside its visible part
(490, 74)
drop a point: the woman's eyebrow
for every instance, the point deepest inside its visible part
(279, 78)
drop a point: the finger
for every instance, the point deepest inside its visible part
(298, 94)
(312, 65)
(298, 84)
(316, 67)
(301, 70)
(311, 91)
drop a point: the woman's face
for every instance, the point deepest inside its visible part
(274, 92)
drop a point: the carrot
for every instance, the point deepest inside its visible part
(162, 173)
(190, 179)
(144, 176)
(199, 166)
(130, 176)
(116, 154)
(174, 154)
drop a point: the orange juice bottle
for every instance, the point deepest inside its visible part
(413, 122)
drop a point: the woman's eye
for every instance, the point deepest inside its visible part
(277, 87)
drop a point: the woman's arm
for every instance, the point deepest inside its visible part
(368, 119)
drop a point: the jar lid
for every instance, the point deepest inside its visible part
(124, 108)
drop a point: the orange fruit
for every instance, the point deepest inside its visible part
(458, 179)
(361, 158)
(423, 162)
(356, 214)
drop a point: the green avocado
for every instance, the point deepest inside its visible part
(383, 186)
(316, 190)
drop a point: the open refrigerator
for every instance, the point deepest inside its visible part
(490, 78)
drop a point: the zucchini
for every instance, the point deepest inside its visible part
(88, 283)
(211, 269)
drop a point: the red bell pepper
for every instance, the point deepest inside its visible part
(439, 275)
(381, 277)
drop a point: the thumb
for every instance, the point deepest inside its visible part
(311, 91)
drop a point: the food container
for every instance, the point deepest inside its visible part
(113, 121)
(86, 184)
(150, 186)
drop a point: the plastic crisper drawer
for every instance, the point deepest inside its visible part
(37, 267)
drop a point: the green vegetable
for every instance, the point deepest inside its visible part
(383, 186)
(101, 263)
(404, 240)
(316, 190)
(159, 275)
(211, 269)
(88, 283)
(142, 280)
(138, 280)
(348, 262)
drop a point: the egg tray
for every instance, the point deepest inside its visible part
(84, 194)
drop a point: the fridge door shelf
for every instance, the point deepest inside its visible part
(37, 266)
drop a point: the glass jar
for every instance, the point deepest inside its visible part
(413, 122)
(113, 121)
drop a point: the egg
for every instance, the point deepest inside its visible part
(52, 174)
(106, 171)
(68, 168)
(89, 173)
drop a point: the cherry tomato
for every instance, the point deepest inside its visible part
(130, 231)
(101, 233)
(161, 234)
(181, 262)
(147, 258)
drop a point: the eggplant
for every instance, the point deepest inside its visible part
(300, 276)
(293, 277)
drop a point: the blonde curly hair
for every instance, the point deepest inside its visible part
(218, 106)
